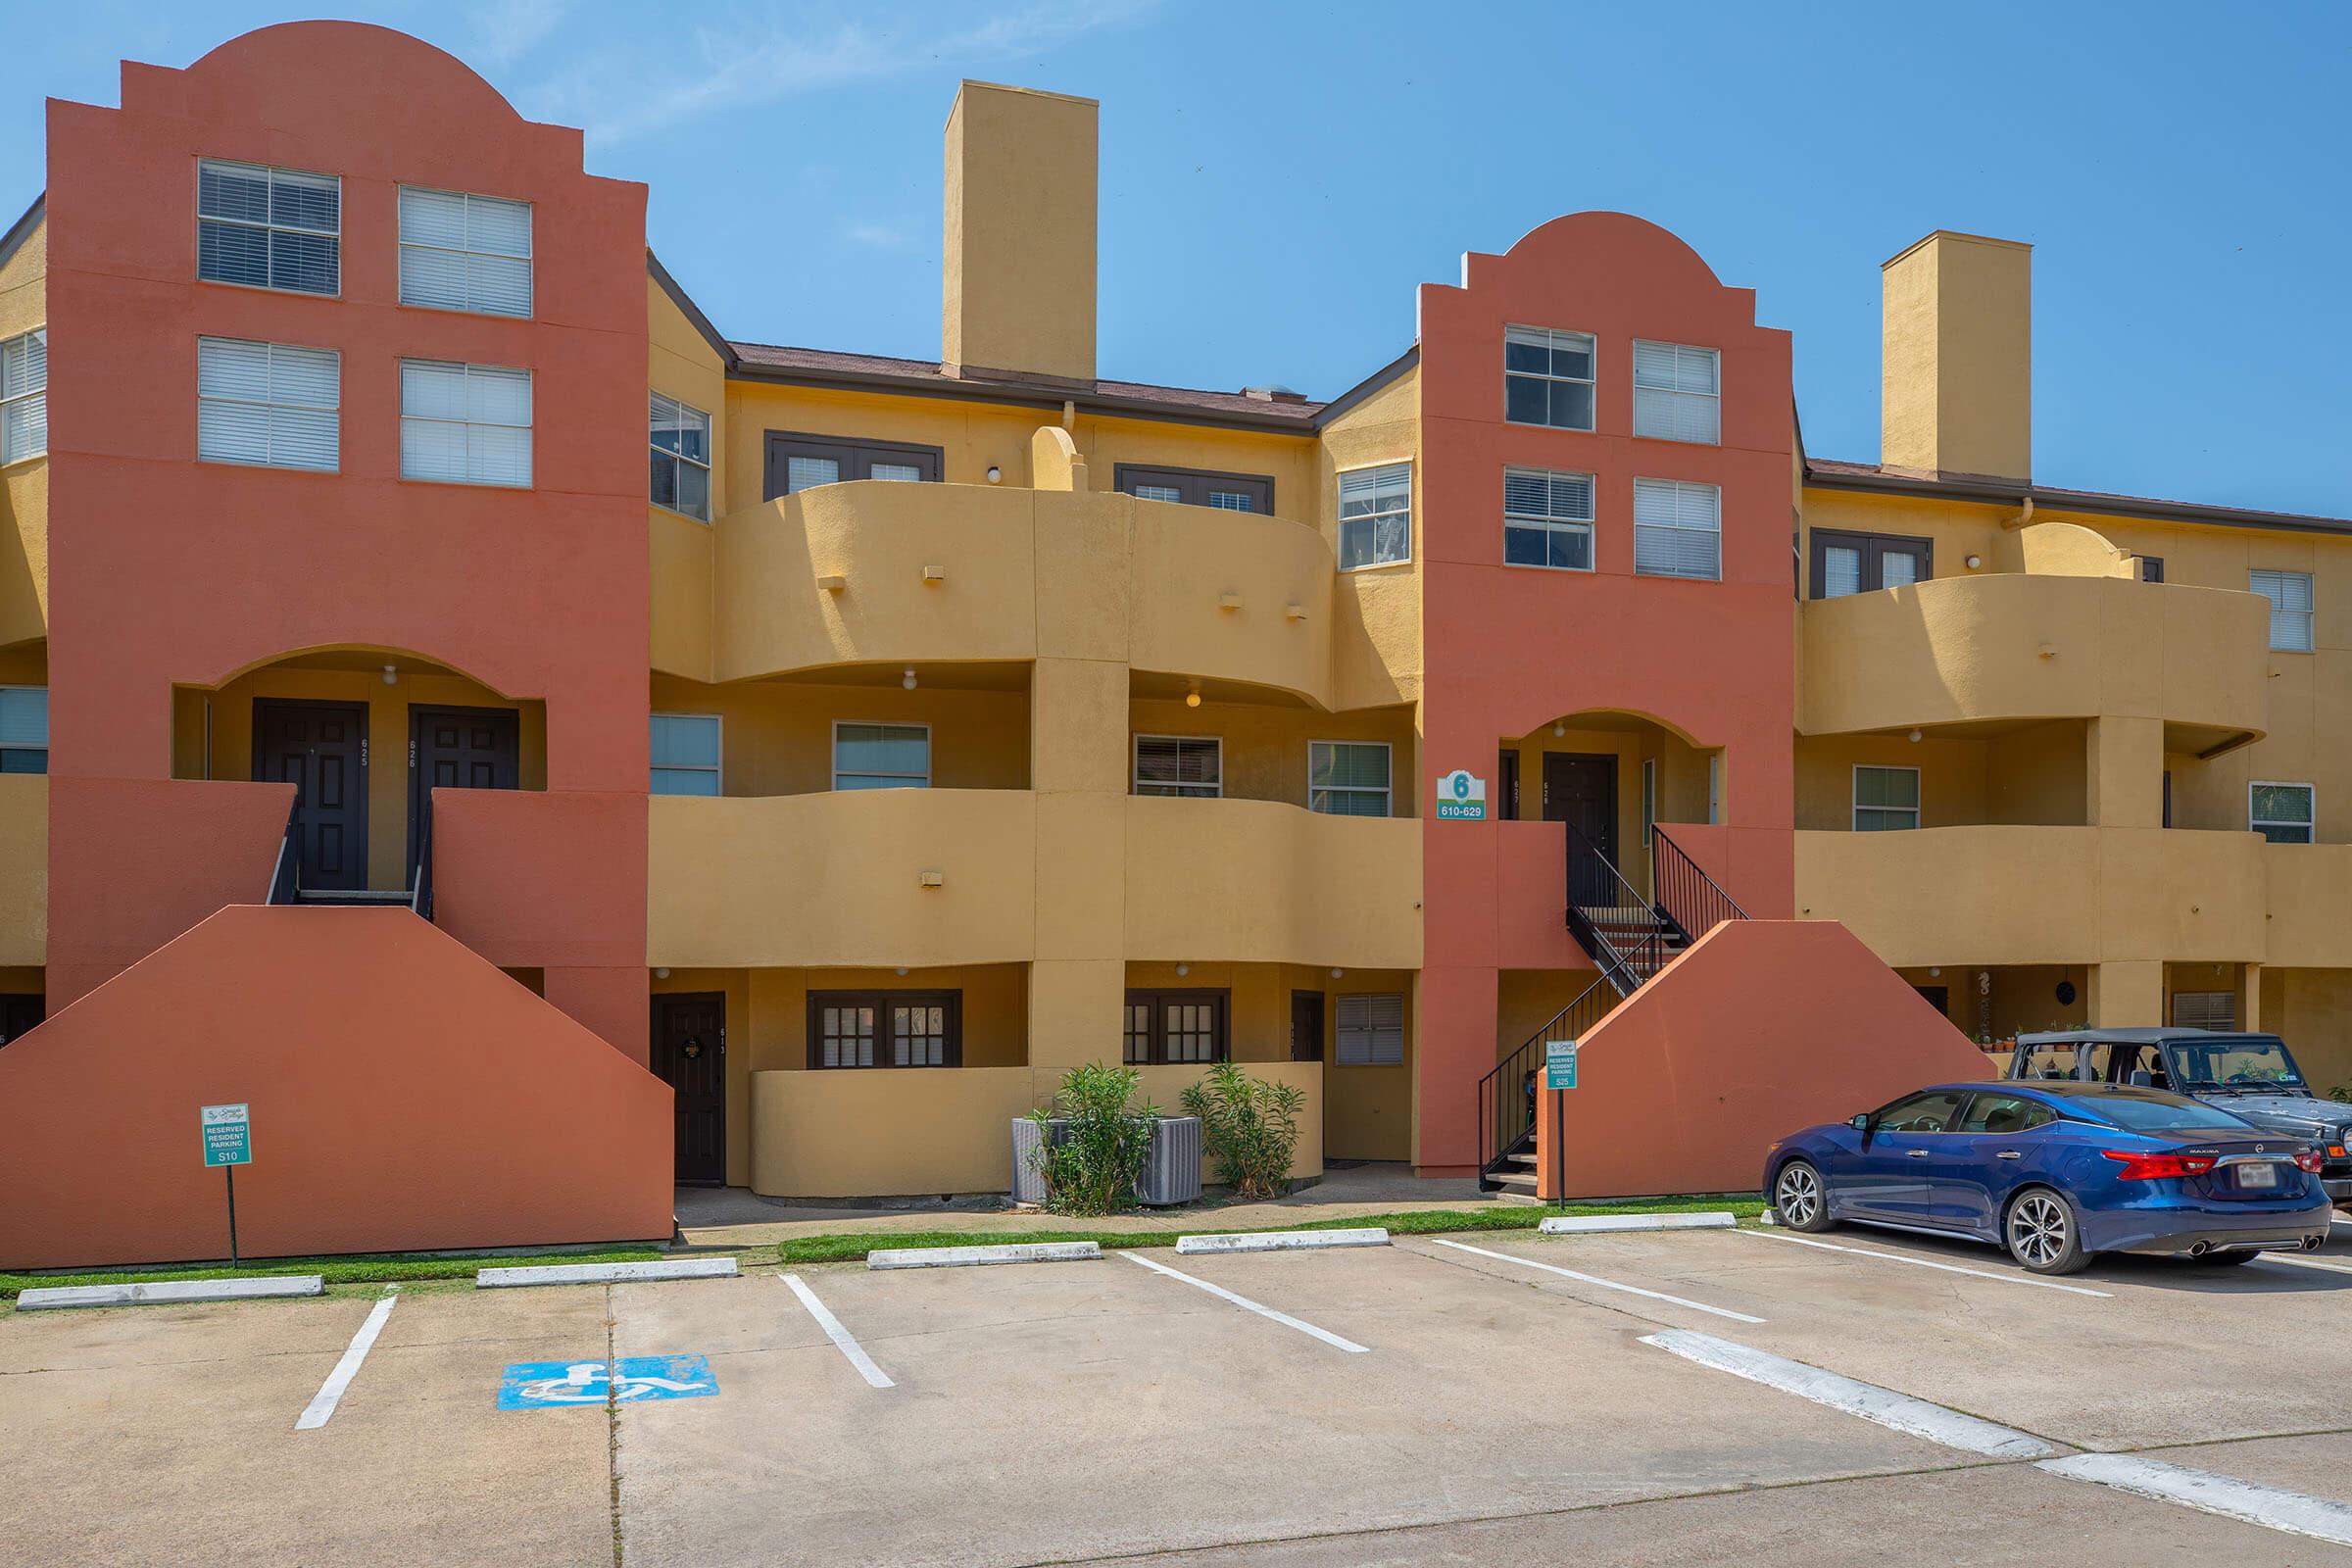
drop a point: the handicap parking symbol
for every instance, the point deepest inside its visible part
(630, 1380)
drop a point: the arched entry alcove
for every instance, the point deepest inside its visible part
(1611, 774)
(366, 734)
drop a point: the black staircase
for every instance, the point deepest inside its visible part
(1630, 938)
(285, 877)
(285, 880)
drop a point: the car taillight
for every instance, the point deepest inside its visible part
(2138, 1167)
(2308, 1161)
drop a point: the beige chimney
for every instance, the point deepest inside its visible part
(1018, 280)
(1956, 389)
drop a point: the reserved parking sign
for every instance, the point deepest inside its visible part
(227, 1135)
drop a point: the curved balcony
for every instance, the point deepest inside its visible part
(876, 573)
(2004, 895)
(841, 879)
(1262, 881)
(2012, 646)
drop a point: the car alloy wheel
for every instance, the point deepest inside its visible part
(2041, 1231)
(1796, 1197)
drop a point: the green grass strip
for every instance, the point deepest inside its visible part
(387, 1268)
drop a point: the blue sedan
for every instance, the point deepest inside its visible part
(2056, 1172)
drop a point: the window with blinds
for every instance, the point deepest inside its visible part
(681, 448)
(1197, 487)
(465, 253)
(1348, 778)
(2289, 594)
(1376, 515)
(1548, 519)
(1678, 529)
(798, 463)
(2204, 1010)
(465, 423)
(23, 729)
(2284, 813)
(685, 753)
(881, 756)
(1884, 799)
(264, 227)
(1179, 764)
(1369, 1032)
(885, 1029)
(25, 395)
(1547, 377)
(1676, 396)
(268, 404)
(1846, 562)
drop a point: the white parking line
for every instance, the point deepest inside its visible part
(2303, 1262)
(1594, 1279)
(331, 1392)
(841, 1338)
(2295, 1512)
(1902, 1412)
(1325, 1334)
(1928, 1262)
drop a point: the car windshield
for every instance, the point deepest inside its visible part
(2047, 1062)
(2255, 1061)
(2144, 1110)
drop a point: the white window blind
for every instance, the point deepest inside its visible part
(269, 227)
(23, 729)
(685, 753)
(1370, 1031)
(1884, 799)
(465, 253)
(270, 404)
(881, 756)
(25, 395)
(2204, 1010)
(2289, 594)
(2284, 813)
(806, 473)
(465, 423)
(1678, 529)
(681, 458)
(1376, 515)
(1348, 778)
(1676, 397)
(1179, 764)
(1157, 492)
(1546, 519)
(1841, 571)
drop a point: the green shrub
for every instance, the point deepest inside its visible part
(1091, 1164)
(1250, 1128)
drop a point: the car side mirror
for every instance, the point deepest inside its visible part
(1861, 1123)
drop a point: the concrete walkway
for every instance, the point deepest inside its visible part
(733, 1216)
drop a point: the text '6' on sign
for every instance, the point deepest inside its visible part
(227, 1135)
(1461, 797)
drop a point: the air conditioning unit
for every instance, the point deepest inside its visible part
(1171, 1172)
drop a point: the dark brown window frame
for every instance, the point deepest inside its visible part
(950, 1051)
(1157, 1050)
(857, 456)
(2152, 567)
(1873, 548)
(1194, 483)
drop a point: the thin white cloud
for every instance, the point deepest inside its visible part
(505, 31)
(625, 92)
(876, 236)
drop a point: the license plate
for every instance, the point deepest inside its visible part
(2257, 1175)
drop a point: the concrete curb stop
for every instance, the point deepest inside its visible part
(1282, 1241)
(1722, 1219)
(683, 1268)
(976, 1256)
(49, 1298)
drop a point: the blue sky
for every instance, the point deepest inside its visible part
(1278, 175)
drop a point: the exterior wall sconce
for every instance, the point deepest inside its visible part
(1915, 736)
(660, 975)
(1192, 697)
(907, 680)
(1229, 600)
(833, 583)
(2045, 651)
(391, 676)
(935, 574)
(1974, 562)
(934, 879)
(1559, 729)
(1338, 973)
(996, 475)
(1183, 969)
(900, 970)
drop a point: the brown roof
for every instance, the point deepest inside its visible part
(1834, 474)
(925, 378)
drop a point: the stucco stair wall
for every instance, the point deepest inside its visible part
(1759, 1028)
(404, 1093)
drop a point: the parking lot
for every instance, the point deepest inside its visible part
(1444, 1400)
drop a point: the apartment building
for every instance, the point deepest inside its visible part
(951, 722)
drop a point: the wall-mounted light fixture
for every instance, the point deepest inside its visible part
(1560, 727)
(1915, 736)
(1192, 696)
(907, 680)
(391, 676)
(1974, 562)
(660, 975)
(1336, 973)
(901, 971)
(1183, 969)
(996, 475)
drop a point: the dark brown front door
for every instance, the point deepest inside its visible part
(321, 749)
(459, 748)
(1306, 1026)
(1581, 789)
(690, 1055)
